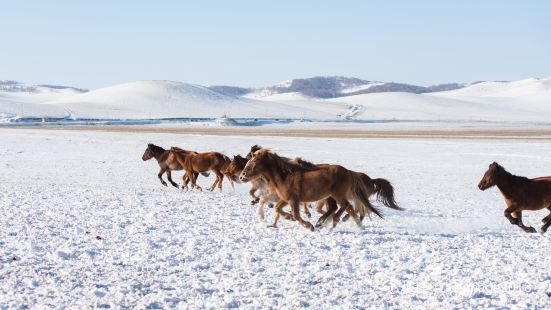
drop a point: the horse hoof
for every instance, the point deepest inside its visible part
(311, 227)
(531, 230)
(271, 226)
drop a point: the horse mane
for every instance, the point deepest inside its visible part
(286, 166)
(304, 163)
(155, 149)
(515, 180)
(253, 149)
(177, 149)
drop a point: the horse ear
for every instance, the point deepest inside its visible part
(149, 144)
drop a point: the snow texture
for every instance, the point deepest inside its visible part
(86, 223)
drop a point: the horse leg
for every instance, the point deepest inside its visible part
(331, 208)
(508, 214)
(193, 177)
(345, 206)
(546, 225)
(169, 177)
(546, 222)
(211, 188)
(251, 192)
(351, 213)
(260, 210)
(286, 215)
(528, 229)
(160, 175)
(230, 179)
(220, 182)
(319, 206)
(278, 206)
(185, 181)
(295, 209)
(305, 207)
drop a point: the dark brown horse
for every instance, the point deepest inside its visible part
(520, 194)
(295, 184)
(194, 162)
(166, 160)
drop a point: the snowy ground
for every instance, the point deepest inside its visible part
(86, 223)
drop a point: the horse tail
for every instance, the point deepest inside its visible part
(385, 193)
(361, 194)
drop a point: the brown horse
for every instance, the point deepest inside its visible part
(166, 160)
(266, 192)
(294, 184)
(194, 162)
(520, 194)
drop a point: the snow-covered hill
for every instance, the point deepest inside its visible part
(526, 100)
(168, 99)
(22, 100)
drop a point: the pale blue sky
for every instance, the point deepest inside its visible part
(251, 43)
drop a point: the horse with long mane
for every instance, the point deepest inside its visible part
(266, 191)
(166, 160)
(520, 193)
(194, 162)
(380, 187)
(295, 183)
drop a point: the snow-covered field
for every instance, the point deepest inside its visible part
(85, 222)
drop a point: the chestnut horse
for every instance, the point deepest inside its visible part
(194, 162)
(166, 160)
(520, 193)
(266, 193)
(295, 184)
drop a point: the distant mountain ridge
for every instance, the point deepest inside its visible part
(15, 87)
(325, 87)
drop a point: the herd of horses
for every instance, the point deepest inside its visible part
(279, 181)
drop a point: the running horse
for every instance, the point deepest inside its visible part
(194, 162)
(296, 183)
(166, 160)
(520, 193)
(266, 192)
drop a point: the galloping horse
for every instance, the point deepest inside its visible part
(166, 160)
(294, 184)
(266, 192)
(520, 193)
(194, 162)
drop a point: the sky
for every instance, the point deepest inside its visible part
(94, 44)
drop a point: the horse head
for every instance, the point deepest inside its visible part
(490, 176)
